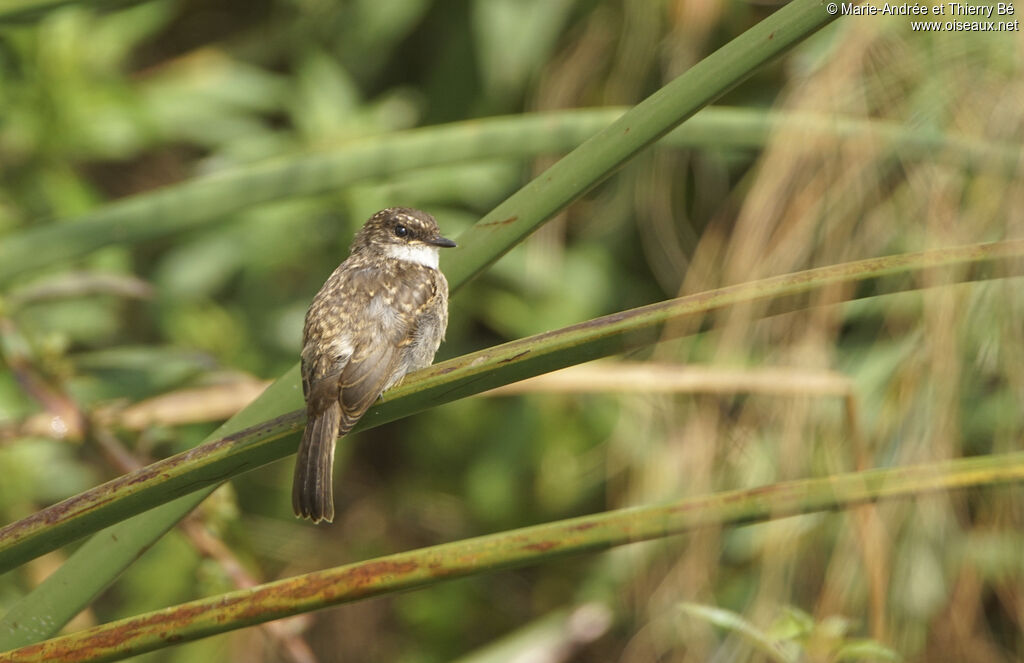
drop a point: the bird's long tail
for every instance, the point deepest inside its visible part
(312, 487)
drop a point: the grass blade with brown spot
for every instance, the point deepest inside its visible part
(516, 548)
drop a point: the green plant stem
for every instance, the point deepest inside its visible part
(530, 545)
(263, 442)
(64, 593)
(23, 11)
(69, 589)
(180, 207)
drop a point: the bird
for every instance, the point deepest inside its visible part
(380, 315)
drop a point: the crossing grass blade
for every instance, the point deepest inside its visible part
(515, 548)
(261, 442)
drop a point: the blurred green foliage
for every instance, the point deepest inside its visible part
(100, 103)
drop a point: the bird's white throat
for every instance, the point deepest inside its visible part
(422, 254)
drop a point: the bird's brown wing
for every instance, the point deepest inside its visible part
(335, 405)
(363, 380)
(383, 306)
(392, 311)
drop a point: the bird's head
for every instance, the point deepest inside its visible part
(402, 233)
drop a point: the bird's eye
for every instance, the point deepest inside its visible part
(401, 231)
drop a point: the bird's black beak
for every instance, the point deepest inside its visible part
(443, 242)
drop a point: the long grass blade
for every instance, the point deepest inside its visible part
(211, 463)
(180, 207)
(516, 548)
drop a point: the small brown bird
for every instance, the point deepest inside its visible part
(380, 315)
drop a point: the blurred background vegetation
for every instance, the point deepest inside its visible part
(139, 350)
